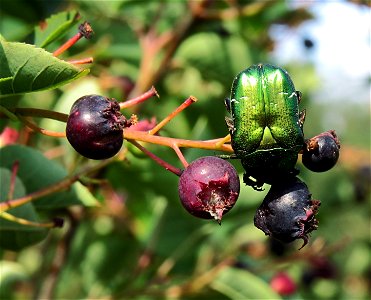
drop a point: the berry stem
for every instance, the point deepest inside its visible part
(10, 217)
(130, 135)
(82, 61)
(68, 44)
(224, 140)
(170, 142)
(145, 96)
(37, 113)
(158, 160)
(85, 30)
(180, 156)
(36, 128)
(179, 109)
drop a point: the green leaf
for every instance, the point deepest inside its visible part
(220, 58)
(38, 172)
(14, 236)
(242, 284)
(26, 68)
(84, 195)
(55, 27)
(11, 273)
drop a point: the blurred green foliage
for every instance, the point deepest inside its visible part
(140, 243)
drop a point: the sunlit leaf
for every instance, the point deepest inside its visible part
(55, 27)
(11, 273)
(26, 68)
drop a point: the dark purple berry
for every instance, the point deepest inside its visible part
(209, 187)
(95, 127)
(287, 212)
(320, 267)
(321, 152)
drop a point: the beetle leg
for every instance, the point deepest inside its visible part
(298, 95)
(256, 185)
(302, 115)
(228, 156)
(230, 124)
(227, 103)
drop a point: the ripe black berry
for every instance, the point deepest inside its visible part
(321, 152)
(319, 267)
(209, 187)
(287, 212)
(95, 127)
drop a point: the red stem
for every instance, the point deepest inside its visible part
(160, 161)
(82, 61)
(68, 44)
(85, 30)
(180, 108)
(36, 128)
(180, 156)
(134, 101)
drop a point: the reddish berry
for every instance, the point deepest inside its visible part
(209, 187)
(321, 152)
(287, 212)
(283, 284)
(95, 127)
(9, 136)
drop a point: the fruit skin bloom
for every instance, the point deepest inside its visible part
(209, 188)
(283, 284)
(288, 212)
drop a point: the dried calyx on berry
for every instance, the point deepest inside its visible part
(209, 187)
(321, 152)
(95, 127)
(288, 212)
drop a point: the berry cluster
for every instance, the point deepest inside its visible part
(209, 186)
(288, 212)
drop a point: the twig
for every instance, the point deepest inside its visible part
(145, 96)
(179, 109)
(22, 221)
(43, 131)
(85, 30)
(56, 187)
(158, 160)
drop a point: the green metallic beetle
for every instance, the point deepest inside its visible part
(266, 127)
